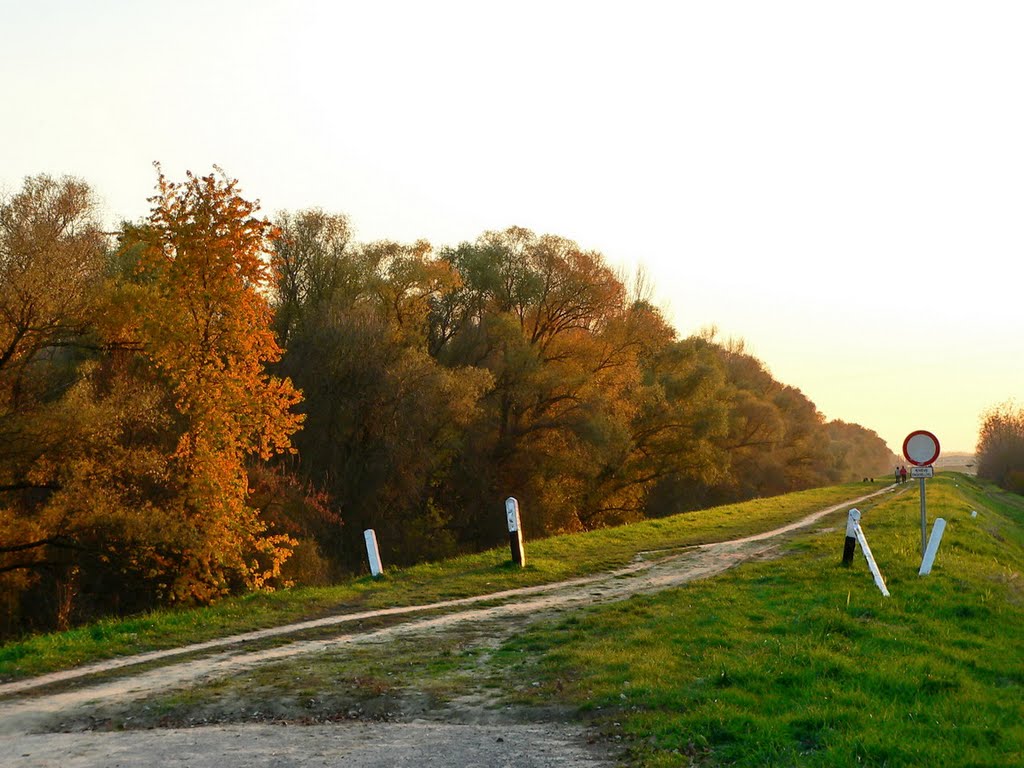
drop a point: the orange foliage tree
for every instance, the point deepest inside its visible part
(206, 328)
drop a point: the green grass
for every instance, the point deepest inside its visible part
(548, 560)
(800, 661)
(793, 661)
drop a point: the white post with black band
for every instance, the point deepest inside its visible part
(515, 531)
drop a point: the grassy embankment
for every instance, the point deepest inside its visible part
(799, 661)
(548, 560)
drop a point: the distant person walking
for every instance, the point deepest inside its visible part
(897, 474)
(903, 474)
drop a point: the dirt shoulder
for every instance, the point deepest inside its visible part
(353, 745)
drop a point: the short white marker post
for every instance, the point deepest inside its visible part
(933, 547)
(515, 531)
(852, 521)
(373, 553)
(879, 581)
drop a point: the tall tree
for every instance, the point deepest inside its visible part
(312, 264)
(207, 332)
(552, 324)
(51, 262)
(385, 420)
(51, 258)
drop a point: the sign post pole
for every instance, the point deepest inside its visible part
(924, 520)
(921, 448)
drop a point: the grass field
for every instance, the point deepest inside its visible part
(800, 661)
(548, 560)
(794, 661)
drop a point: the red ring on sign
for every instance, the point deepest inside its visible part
(931, 437)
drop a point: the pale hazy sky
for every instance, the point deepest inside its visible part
(841, 185)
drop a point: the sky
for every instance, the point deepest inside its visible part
(839, 185)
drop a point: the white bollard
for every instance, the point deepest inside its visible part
(515, 531)
(852, 521)
(373, 553)
(933, 547)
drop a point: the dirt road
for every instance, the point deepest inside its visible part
(31, 710)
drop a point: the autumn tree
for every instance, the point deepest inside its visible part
(206, 330)
(84, 430)
(51, 259)
(51, 264)
(384, 420)
(51, 255)
(554, 326)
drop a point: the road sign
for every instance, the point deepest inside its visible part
(922, 471)
(921, 448)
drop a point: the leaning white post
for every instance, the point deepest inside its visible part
(515, 531)
(879, 581)
(933, 547)
(373, 553)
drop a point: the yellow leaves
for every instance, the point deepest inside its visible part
(273, 551)
(133, 386)
(210, 334)
(51, 257)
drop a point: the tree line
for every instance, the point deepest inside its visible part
(207, 402)
(1000, 452)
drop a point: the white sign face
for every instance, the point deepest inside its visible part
(922, 471)
(921, 447)
(512, 513)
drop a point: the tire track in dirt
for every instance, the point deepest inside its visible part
(24, 714)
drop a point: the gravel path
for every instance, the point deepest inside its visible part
(352, 745)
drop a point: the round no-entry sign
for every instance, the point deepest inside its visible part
(921, 448)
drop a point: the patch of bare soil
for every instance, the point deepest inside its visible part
(353, 745)
(223, 704)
